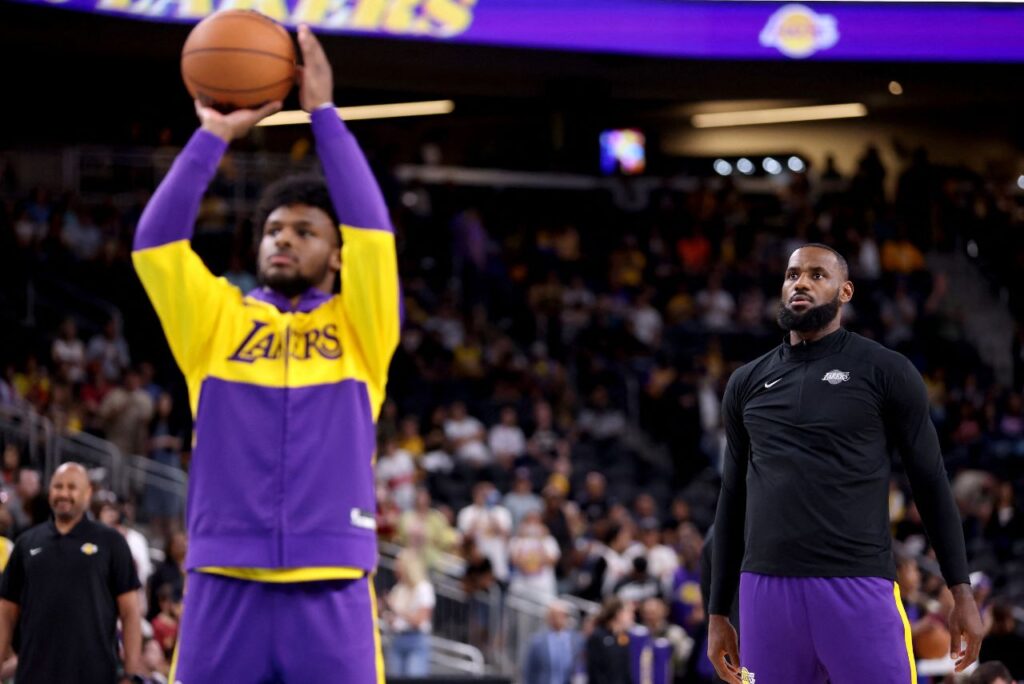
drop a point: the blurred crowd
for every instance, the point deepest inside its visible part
(553, 412)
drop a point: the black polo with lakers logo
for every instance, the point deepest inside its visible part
(810, 432)
(66, 587)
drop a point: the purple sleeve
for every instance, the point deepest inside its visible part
(357, 197)
(171, 213)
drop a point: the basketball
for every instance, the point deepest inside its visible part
(238, 59)
(932, 641)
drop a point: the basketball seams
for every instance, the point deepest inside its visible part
(198, 85)
(253, 57)
(252, 51)
(248, 15)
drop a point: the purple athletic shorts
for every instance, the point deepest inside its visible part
(241, 632)
(812, 630)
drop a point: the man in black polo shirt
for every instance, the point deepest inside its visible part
(67, 582)
(802, 528)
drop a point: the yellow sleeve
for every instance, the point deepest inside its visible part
(187, 297)
(370, 299)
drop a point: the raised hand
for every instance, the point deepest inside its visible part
(316, 81)
(235, 124)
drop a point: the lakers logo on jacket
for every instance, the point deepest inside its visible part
(263, 342)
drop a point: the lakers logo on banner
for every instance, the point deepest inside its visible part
(798, 31)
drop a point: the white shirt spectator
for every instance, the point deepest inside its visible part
(647, 325)
(490, 528)
(112, 353)
(397, 472)
(662, 561)
(139, 547)
(406, 600)
(616, 568)
(869, 260)
(437, 461)
(601, 424)
(83, 238)
(70, 355)
(718, 307)
(507, 440)
(533, 559)
(467, 434)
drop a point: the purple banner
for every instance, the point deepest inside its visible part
(899, 31)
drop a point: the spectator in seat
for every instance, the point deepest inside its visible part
(551, 657)
(607, 648)
(410, 609)
(533, 554)
(1003, 643)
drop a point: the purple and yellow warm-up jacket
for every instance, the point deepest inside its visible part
(285, 399)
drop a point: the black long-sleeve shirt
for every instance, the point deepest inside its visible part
(810, 429)
(607, 657)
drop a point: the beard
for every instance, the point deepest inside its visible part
(815, 318)
(64, 515)
(289, 286)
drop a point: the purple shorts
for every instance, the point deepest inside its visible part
(812, 630)
(235, 630)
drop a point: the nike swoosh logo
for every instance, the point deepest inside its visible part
(769, 385)
(35, 551)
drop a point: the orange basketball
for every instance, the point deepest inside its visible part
(238, 59)
(932, 641)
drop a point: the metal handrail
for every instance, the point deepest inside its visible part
(160, 475)
(462, 658)
(48, 449)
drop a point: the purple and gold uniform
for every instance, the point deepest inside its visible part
(281, 504)
(650, 657)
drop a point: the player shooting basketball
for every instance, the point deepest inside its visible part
(285, 385)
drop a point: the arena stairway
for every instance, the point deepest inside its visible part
(983, 311)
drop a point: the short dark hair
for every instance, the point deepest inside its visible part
(305, 188)
(609, 609)
(990, 672)
(843, 266)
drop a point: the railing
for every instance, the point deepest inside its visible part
(524, 618)
(497, 625)
(475, 634)
(453, 657)
(33, 432)
(450, 657)
(125, 475)
(93, 453)
(472, 619)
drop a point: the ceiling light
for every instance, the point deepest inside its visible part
(796, 164)
(895, 88)
(722, 167)
(363, 112)
(780, 115)
(745, 166)
(772, 166)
